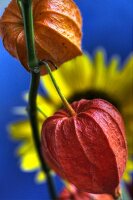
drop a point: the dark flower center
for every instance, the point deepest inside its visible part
(93, 94)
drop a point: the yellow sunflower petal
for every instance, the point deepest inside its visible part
(20, 130)
(129, 169)
(100, 74)
(47, 107)
(127, 68)
(112, 72)
(130, 165)
(30, 161)
(113, 66)
(127, 108)
(126, 178)
(41, 176)
(77, 73)
(122, 83)
(126, 79)
(24, 147)
(129, 135)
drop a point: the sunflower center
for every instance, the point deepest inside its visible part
(93, 94)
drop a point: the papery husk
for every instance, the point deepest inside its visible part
(88, 149)
(57, 27)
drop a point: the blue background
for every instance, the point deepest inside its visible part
(107, 24)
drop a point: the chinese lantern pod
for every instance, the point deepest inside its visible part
(57, 27)
(75, 194)
(88, 149)
(101, 197)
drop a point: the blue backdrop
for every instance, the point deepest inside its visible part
(108, 24)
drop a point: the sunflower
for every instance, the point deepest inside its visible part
(82, 77)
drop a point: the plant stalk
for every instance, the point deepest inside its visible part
(118, 194)
(26, 10)
(32, 110)
(64, 100)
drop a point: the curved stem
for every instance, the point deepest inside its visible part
(117, 194)
(26, 9)
(64, 100)
(67, 185)
(118, 198)
(33, 120)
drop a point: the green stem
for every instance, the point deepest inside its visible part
(26, 9)
(118, 198)
(33, 120)
(64, 100)
(117, 194)
(39, 110)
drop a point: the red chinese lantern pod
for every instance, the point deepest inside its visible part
(88, 149)
(76, 194)
(73, 193)
(57, 26)
(100, 197)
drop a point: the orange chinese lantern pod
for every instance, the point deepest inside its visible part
(88, 149)
(57, 27)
